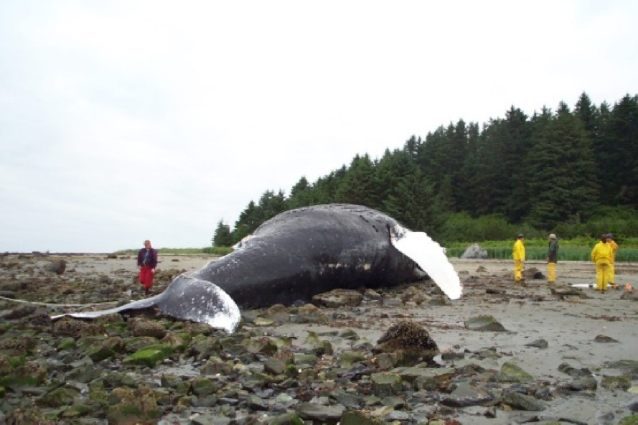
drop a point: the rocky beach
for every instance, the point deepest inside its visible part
(507, 354)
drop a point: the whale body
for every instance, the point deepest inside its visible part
(298, 254)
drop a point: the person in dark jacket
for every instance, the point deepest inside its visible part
(146, 262)
(552, 258)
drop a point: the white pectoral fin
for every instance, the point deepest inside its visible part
(431, 258)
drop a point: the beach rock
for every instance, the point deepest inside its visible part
(628, 367)
(511, 372)
(522, 402)
(355, 417)
(58, 267)
(474, 251)
(539, 343)
(408, 342)
(466, 395)
(484, 323)
(386, 383)
(309, 314)
(574, 372)
(140, 326)
(59, 397)
(604, 339)
(338, 298)
(322, 414)
(616, 382)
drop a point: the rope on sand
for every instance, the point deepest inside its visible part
(55, 305)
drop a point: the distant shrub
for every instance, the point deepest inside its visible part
(218, 250)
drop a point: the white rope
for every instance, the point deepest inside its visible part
(55, 305)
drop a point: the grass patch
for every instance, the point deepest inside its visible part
(578, 249)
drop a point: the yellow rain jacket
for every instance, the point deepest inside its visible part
(614, 248)
(602, 253)
(519, 250)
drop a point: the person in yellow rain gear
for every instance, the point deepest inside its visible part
(552, 259)
(601, 255)
(518, 252)
(612, 263)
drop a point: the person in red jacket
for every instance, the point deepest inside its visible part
(146, 262)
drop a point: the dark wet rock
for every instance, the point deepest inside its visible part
(629, 367)
(486, 353)
(59, 397)
(425, 378)
(317, 412)
(386, 383)
(104, 348)
(394, 402)
(415, 295)
(484, 323)
(260, 345)
(216, 365)
(290, 418)
(203, 347)
(348, 400)
(308, 314)
(533, 273)
(277, 313)
(511, 372)
(318, 346)
(29, 374)
(522, 402)
(629, 295)
(450, 356)
(84, 373)
(466, 395)
(616, 382)
(604, 339)
(562, 291)
(357, 417)
(539, 343)
(133, 406)
(338, 298)
(273, 366)
(372, 295)
(17, 346)
(348, 358)
(633, 406)
(77, 410)
(77, 328)
(140, 326)
(120, 379)
(574, 372)
(57, 267)
(27, 416)
(305, 360)
(583, 383)
(203, 386)
(409, 343)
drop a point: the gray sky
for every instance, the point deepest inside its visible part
(127, 120)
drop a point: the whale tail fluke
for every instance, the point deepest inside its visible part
(431, 258)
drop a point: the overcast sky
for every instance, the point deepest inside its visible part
(127, 120)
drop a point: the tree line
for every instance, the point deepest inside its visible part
(562, 171)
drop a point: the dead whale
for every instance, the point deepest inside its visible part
(298, 254)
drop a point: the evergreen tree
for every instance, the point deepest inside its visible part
(222, 236)
(560, 168)
(301, 195)
(411, 203)
(618, 155)
(248, 221)
(358, 185)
